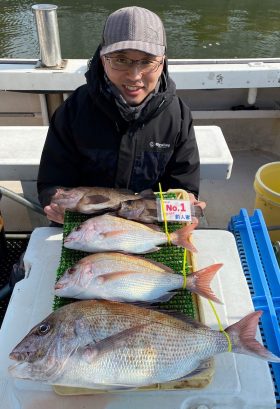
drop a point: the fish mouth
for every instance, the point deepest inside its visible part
(68, 241)
(20, 356)
(62, 292)
(59, 286)
(63, 282)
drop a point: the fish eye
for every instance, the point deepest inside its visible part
(71, 270)
(43, 329)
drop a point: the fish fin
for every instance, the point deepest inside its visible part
(242, 335)
(121, 388)
(152, 214)
(150, 251)
(133, 214)
(136, 213)
(91, 351)
(165, 297)
(181, 317)
(181, 237)
(147, 217)
(155, 227)
(203, 367)
(113, 213)
(147, 194)
(148, 305)
(112, 233)
(160, 266)
(113, 387)
(99, 386)
(113, 276)
(199, 282)
(142, 304)
(94, 199)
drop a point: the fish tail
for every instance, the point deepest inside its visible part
(199, 281)
(242, 335)
(147, 194)
(182, 236)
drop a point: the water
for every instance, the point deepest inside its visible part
(195, 28)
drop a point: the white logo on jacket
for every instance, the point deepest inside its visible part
(159, 145)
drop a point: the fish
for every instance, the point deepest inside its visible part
(109, 345)
(127, 278)
(111, 233)
(95, 200)
(145, 210)
(67, 198)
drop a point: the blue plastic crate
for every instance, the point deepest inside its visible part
(262, 273)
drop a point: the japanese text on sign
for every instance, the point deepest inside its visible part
(175, 210)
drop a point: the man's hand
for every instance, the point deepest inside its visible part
(54, 213)
(196, 202)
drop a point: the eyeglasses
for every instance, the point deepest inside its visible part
(124, 64)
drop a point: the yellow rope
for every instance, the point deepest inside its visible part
(164, 215)
(185, 276)
(220, 326)
(184, 269)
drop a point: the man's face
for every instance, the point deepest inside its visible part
(133, 83)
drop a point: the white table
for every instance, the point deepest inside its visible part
(239, 382)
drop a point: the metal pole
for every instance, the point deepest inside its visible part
(48, 34)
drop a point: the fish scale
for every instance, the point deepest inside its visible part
(139, 284)
(156, 352)
(93, 343)
(145, 240)
(111, 233)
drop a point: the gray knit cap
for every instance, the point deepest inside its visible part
(134, 28)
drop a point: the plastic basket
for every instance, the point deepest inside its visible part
(263, 277)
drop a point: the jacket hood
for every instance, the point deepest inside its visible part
(97, 90)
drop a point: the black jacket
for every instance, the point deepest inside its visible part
(89, 143)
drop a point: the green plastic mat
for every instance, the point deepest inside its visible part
(172, 256)
(184, 301)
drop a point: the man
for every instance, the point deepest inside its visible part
(125, 127)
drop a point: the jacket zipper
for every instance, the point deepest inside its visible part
(131, 134)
